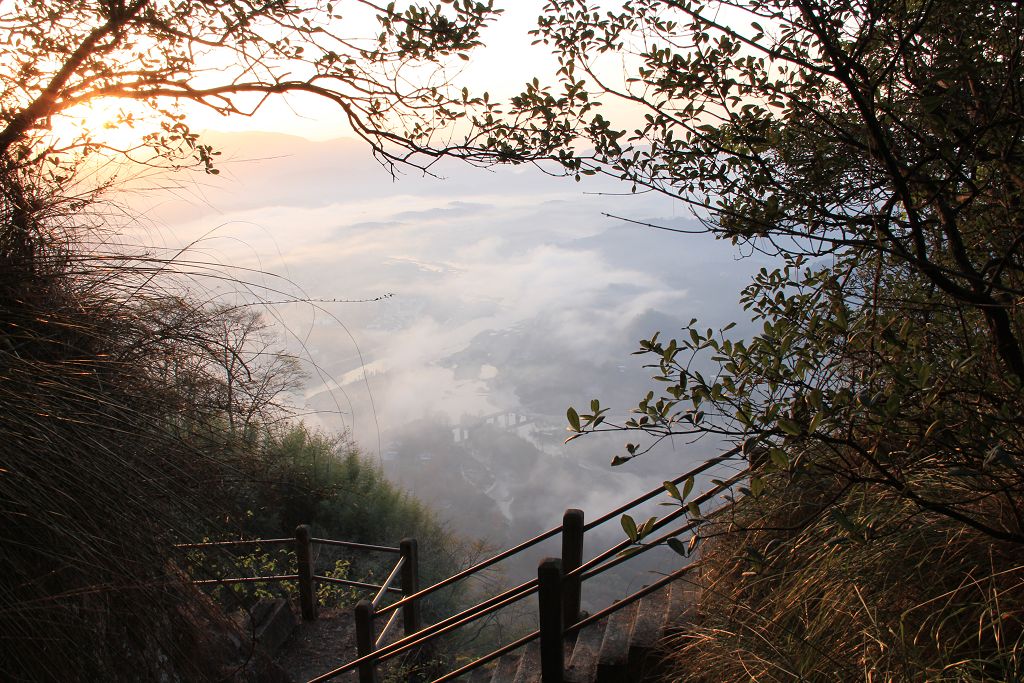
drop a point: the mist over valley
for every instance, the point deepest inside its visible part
(488, 301)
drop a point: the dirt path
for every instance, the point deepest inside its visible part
(316, 647)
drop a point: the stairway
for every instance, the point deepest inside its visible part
(616, 649)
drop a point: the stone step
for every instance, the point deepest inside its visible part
(613, 658)
(613, 650)
(529, 665)
(506, 668)
(682, 604)
(648, 628)
(582, 666)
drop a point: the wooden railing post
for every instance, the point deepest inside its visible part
(307, 587)
(549, 595)
(365, 640)
(572, 558)
(410, 584)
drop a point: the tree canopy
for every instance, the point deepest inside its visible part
(875, 148)
(229, 56)
(133, 408)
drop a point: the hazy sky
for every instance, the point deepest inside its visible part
(502, 67)
(303, 210)
(504, 290)
(482, 291)
(475, 252)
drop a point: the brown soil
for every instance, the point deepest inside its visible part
(316, 647)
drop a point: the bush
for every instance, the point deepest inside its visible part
(294, 475)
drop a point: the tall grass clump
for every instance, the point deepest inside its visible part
(106, 449)
(817, 580)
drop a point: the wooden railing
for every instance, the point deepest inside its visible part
(406, 568)
(559, 585)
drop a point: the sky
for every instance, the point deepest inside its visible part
(423, 306)
(508, 61)
(479, 292)
(449, 258)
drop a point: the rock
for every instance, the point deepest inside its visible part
(275, 622)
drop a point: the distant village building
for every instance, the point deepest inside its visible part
(506, 420)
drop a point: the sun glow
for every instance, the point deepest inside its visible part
(110, 125)
(120, 126)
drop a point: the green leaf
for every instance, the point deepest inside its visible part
(788, 426)
(678, 546)
(629, 526)
(815, 399)
(646, 527)
(574, 419)
(779, 458)
(756, 486)
(687, 487)
(673, 490)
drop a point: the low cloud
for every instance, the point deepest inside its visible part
(505, 291)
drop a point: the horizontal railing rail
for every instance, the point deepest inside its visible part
(224, 544)
(246, 579)
(658, 490)
(584, 574)
(572, 531)
(515, 550)
(590, 567)
(302, 545)
(550, 533)
(430, 632)
(488, 658)
(357, 546)
(448, 624)
(630, 599)
(458, 623)
(356, 584)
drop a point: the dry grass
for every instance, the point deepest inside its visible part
(96, 476)
(880, 591)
